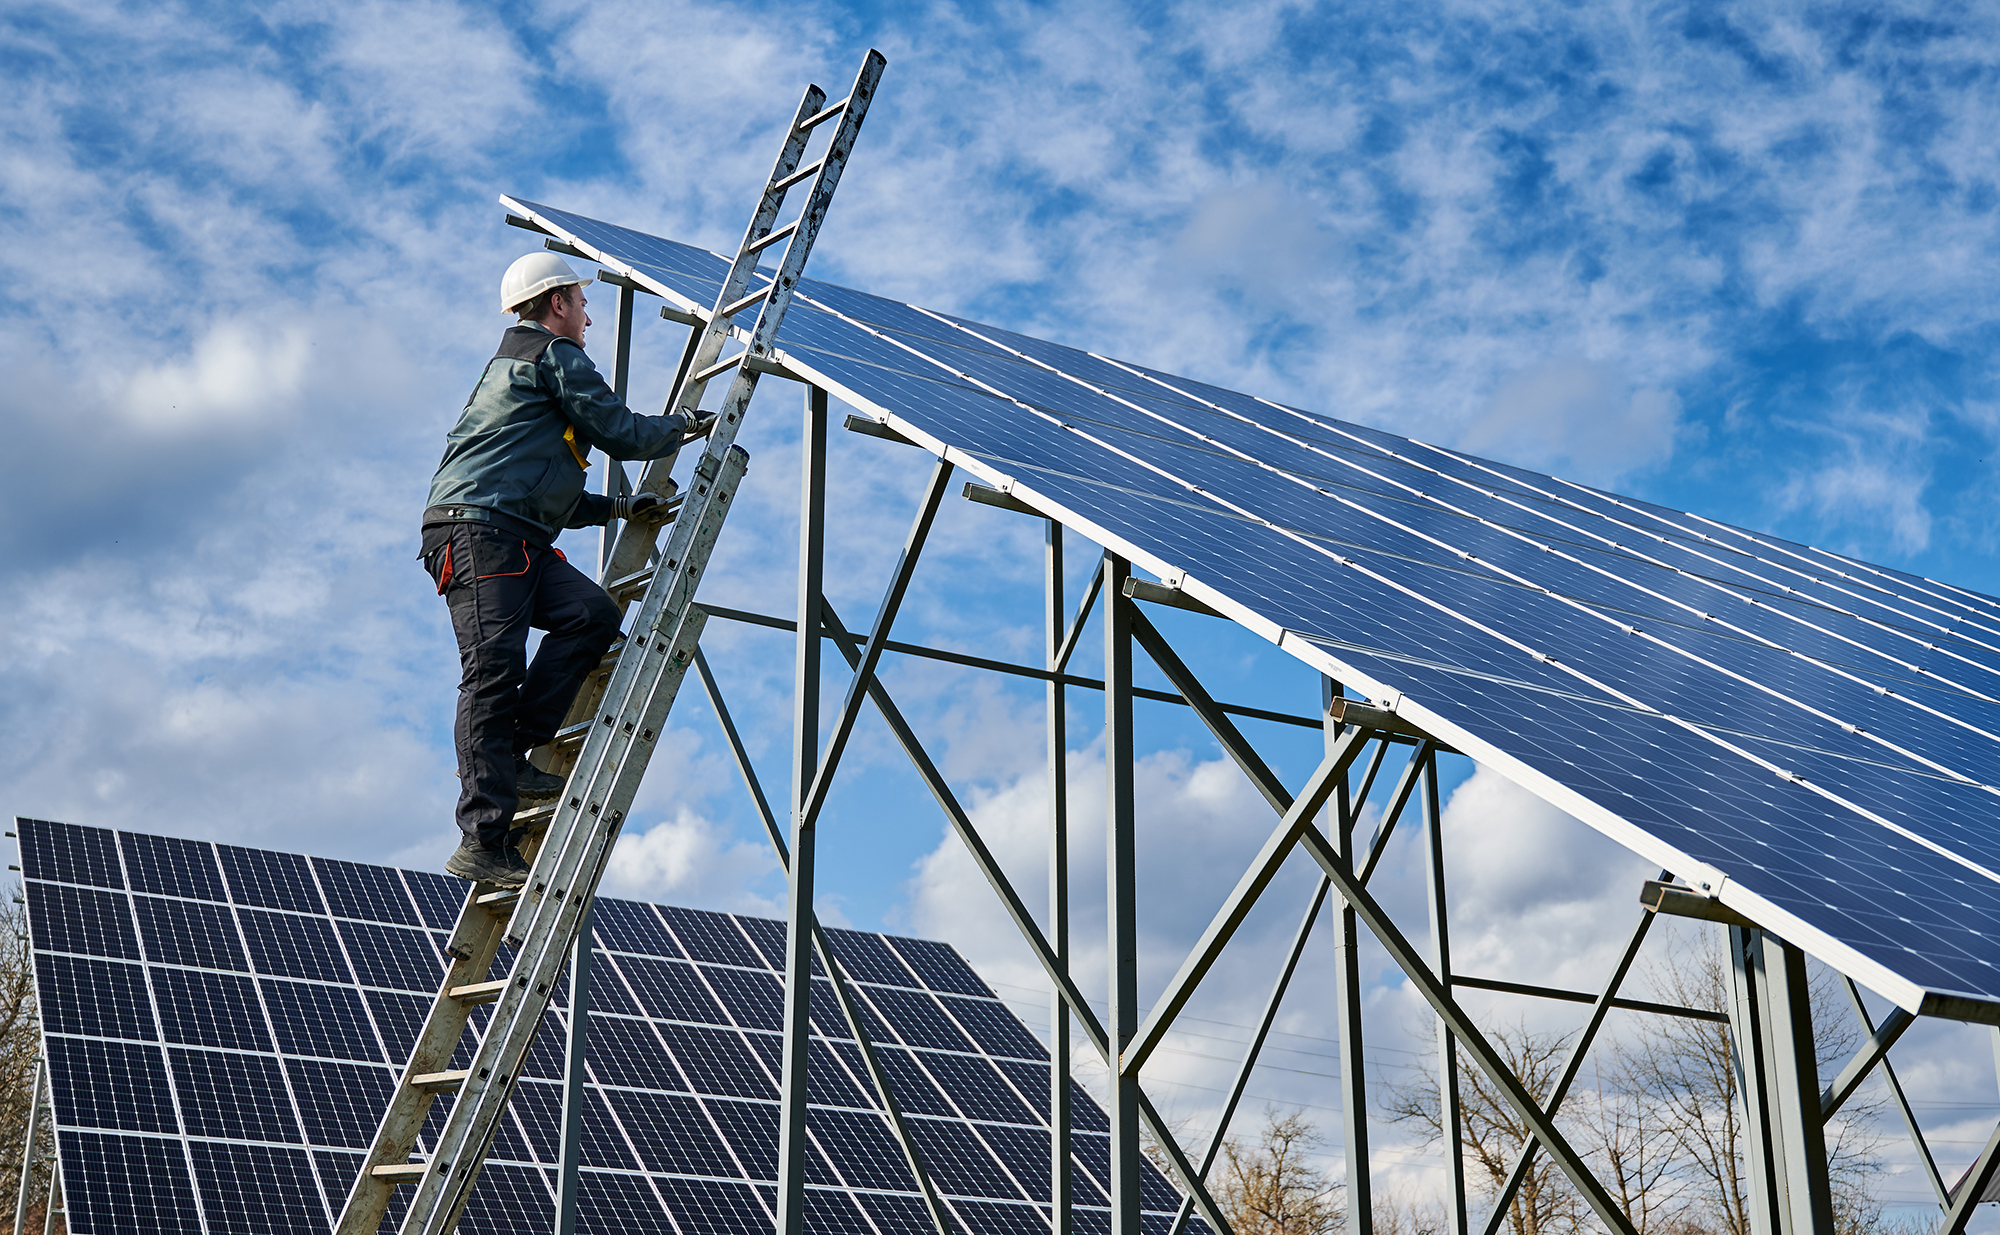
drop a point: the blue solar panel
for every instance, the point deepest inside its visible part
(1820, 731)
(289, 990)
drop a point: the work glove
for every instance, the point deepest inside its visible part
(702, 425)
(645, 507)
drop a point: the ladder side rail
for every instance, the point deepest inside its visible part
(628, 557)
(578, 845)
(478, 936)
(475, 1119)
(667, 598)
(573, 851)
(395, 1137)
(744, 266)
(634, 545)
(806, 230)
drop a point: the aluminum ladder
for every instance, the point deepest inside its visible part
(619, 715)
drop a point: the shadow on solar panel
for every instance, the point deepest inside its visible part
(223, 1027)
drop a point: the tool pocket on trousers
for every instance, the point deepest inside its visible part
(436, 556)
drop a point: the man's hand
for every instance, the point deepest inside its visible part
(703, 425)
(645, 507)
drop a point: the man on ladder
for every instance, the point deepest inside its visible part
(511, 479)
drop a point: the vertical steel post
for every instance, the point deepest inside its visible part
(1054, 616)
(1347, 1012)
(1778, 1074)
(1447, 1045)
(614, 471)
(570, 1153)
(805, 765)
(1801, 1144)
(28, 1150)
(1747, 1037)
(1121, 896)
(49, 1209)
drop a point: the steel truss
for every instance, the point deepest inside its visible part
(1786, 1107)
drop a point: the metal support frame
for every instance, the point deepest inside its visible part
(1347, 1009)
(28, 1148)
(800, 913)
(569, 1155)
(1061, 1200)
(1607, 999)
(1447, 1046)
(1897, 1096)
(1322, 820)
(837, 975)
(1771, 1022)
(1121, 899)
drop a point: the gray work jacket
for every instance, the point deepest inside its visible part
(521, 446)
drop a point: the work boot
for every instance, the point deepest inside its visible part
(533, 784)
(503, 868)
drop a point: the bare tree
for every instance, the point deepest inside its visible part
(20, 1056)
(1634, 1153)
(1684, 1072)
(1491, 1131)
(1274, 1185)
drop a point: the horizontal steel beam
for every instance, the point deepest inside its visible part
(1551, 992)
(1021, 671)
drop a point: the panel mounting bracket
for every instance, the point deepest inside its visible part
(1682, 902)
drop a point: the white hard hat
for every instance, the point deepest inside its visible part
(532, 275)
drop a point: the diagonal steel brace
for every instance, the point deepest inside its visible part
(842, 994)
(1189, 1180)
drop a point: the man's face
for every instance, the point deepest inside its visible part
(567, 317)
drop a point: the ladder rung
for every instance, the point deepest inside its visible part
(439, 1082)
(804, 173)
(501, 902)
(723, 366)
(760, 245)
(821, 117)
(731, 310)
(401, 1172)
(478, 992)
(535, 820)
(570, 735)
(631, 584)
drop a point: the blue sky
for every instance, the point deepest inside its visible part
(1733, 258)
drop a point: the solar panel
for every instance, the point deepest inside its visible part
(223, 1024)
(1815, 738)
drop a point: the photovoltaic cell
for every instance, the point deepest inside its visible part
(289, 990)
(1818, 733)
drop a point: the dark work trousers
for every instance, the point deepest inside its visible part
(498, 585)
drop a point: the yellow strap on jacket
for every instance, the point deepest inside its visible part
(569, 437)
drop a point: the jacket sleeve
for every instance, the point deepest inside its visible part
(591, 510)
(599, 414)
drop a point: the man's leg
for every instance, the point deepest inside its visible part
(491, 608)
(578, 621)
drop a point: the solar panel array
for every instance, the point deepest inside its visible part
(1822, 732)
(223, 1025)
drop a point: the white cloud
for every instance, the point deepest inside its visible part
(690, 860)
(239, 373)
(1578, 419)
